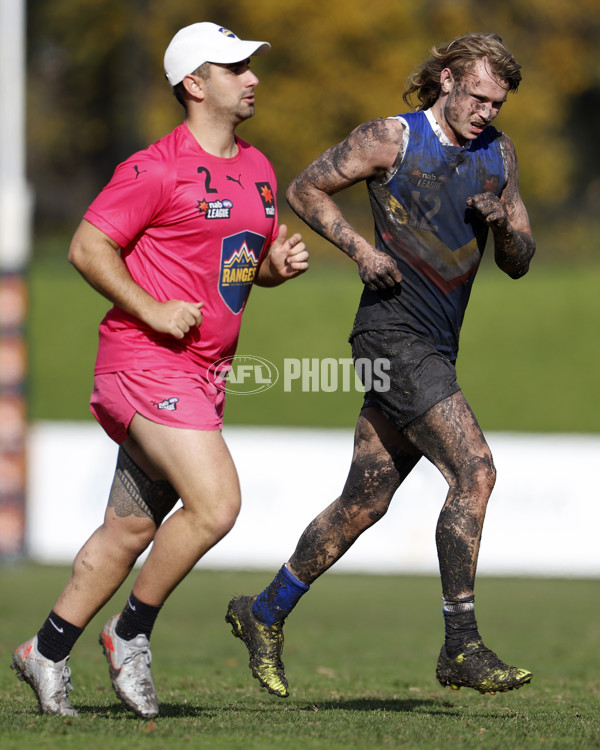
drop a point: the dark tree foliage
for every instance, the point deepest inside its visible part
(96, 90)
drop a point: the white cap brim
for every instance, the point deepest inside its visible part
(199, 43)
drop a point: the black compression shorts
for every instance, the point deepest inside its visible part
(418, 375)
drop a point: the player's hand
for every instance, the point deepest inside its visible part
(490, 209)
(175, 317)
(288, 257)
(377, 270)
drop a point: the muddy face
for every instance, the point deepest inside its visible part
(470, 103)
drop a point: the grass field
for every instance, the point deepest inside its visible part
(360, 656)
(360, 650)
(528, 359)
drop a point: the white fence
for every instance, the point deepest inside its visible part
(542, 520)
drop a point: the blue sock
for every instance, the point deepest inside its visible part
(279, 598)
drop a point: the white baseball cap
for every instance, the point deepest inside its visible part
(206, 42)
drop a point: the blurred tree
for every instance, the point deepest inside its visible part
(97, 92)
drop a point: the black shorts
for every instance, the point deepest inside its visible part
(418, 375)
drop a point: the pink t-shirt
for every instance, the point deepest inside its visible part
(191, 226)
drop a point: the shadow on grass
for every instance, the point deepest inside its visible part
(187, 710)
(381, 704)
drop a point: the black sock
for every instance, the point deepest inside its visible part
(57, 637)
(136, 618)
(461, 625)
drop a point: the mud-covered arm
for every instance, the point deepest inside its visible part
(370, 150)
(507, 217)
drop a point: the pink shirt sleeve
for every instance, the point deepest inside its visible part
(126, 207)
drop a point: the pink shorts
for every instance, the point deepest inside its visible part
(175, 399)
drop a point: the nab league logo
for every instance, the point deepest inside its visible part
(267, 198)
(239, 260)
(215, 209)
(427, 180)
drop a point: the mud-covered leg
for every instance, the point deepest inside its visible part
(381, 460)
(450, 437)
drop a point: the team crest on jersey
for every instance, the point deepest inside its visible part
(267, 198)
(239, 260)
(492, 183)
(220, 209)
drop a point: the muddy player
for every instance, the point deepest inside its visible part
(439, 178)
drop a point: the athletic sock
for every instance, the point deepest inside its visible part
(136, 618)
(57, 637)
(279, 598)
(460, 624)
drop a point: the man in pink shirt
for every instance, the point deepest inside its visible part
(175, 241)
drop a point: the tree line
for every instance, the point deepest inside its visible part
(96, 89)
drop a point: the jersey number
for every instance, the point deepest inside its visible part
(423, 211)
(207, 187)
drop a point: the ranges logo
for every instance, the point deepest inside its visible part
(240, 255)
(267, 198)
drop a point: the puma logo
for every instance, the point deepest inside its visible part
(238, 180)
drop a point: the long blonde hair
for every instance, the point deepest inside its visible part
(459, 56)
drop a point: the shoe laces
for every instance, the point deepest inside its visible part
(143, 651)
(475, 647)
(66, 679)
(492, 659)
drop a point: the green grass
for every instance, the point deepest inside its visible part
(360, 656)
(528, 357)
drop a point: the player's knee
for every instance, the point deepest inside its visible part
(373, 513)
(216, 522)
(225, 520)
(485, 475)
(372, 481)
(133, 536)
(359, 510)
(140, 540)
(478, 476)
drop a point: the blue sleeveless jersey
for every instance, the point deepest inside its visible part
(423, 222)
